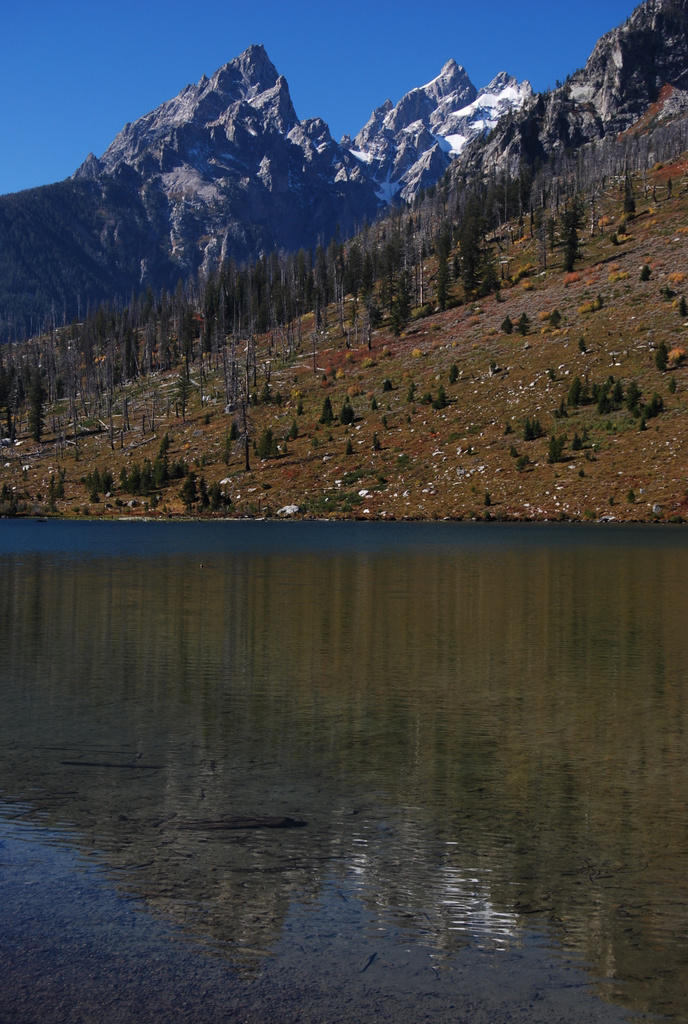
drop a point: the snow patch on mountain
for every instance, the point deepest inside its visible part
(410, 145)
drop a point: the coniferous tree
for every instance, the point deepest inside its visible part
(36, 399)
(189, 490)
(401, 306)
(629, 200)
(471, 255)
(327, 414)
(571, 222)
(346, 416)
(523, 325)
(183, 390)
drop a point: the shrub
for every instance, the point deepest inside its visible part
(645, 273)
(591, 307)
(676, 356)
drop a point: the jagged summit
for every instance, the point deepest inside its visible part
(409, 146)
(248, 90)
(227, 168)
(451, 90)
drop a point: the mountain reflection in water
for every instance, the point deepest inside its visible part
(484, 727)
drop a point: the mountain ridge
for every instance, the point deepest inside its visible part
(622, 77)
(408, 146)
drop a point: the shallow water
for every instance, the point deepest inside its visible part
(484, 728)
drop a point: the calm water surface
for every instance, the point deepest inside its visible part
(484, 728)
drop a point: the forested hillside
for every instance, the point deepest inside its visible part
(508, 348)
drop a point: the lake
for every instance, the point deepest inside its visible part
(477, 731)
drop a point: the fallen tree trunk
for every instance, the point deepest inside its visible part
(225, 824)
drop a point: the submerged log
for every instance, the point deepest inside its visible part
(136, 765)
(220, 824)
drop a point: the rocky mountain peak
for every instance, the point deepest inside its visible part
(630, 64)
(408, 146)
(226, 167)
(452, 89)
(245, 78)
(501, 81)
(247, 89)
(452, 82)
(624, 75)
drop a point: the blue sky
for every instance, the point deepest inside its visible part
(73, 72)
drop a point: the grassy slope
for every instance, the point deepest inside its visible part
(442, 463)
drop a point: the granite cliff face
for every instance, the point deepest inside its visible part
(626, 73)
(235, 170)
